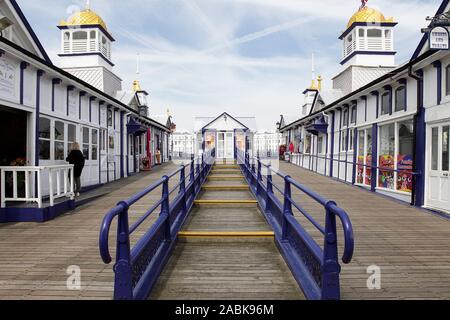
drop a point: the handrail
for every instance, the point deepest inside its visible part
(132, 279)
(298, 247)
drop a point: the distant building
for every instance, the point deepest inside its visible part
(225, 133)
(182, 145)
(267, 144)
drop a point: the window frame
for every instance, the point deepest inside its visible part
(405, 97)
(387, 94)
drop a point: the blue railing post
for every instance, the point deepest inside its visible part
(165, 208)
(192, 171)
(123, 289)
(331, 267)
(197, 177)
(287, 208)
(269, 188)
(259, 179)
(183, 189)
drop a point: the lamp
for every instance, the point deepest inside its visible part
(5, 22)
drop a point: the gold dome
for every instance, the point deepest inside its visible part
(83, 18)
(368, 15)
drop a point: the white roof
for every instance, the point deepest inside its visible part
(201, 122)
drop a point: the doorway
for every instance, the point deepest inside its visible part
(13, 144)
(439, 167)
(225, 143)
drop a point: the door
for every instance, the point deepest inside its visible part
(229, 145)
(220, 145)
(439, 168)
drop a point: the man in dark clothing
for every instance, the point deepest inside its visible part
(77, 159)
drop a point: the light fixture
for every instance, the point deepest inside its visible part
(5, 22)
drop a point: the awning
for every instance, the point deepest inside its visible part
(319, 126)
(134, 127)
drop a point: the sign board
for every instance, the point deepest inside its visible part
(439, 38)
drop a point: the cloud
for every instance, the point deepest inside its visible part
(247, 57)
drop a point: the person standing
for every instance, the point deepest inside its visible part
(77, 159)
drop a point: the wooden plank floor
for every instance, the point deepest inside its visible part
(226, 268)
(410, 245)
(34, 257)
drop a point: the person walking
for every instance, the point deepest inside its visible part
(77, 159)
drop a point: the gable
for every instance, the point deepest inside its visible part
(225, 122)
(21, 33)
(423, 46)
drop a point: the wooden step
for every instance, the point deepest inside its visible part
(224, 166)
(226, 234)
(219, 188)
(225, 178)
(200, 202)
(218, 171)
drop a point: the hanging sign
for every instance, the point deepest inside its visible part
(439, 38)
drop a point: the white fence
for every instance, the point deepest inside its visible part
(60, 184)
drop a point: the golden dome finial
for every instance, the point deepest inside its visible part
(136, 86)
(85, 17)
(368, 15)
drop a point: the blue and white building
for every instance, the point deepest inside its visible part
(383, 127)
(44, 109)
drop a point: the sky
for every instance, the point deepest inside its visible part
(245, 57)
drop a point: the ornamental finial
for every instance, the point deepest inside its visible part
(363, 4)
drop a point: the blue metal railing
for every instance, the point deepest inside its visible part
(137, 269)
(315, 269)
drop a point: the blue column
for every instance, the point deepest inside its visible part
(332, 142)
(54, 83)
(39, 75)
(23, 66)
(122, 175)
(438, 65)
(419, 148)
(355, 154)
(374, 156)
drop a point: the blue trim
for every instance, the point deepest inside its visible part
(16, 214)
(420, 144)
(355, 154)
(366, 24)
(438, 65)
(23, 66)
(371, 53)
(374, 172)
(39, 74)
(87, 54)
(332, 142)
(30, 30)
(122, 113)
(90, 26)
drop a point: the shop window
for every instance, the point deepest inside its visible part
(110, 118)
(86, 143)
(344, 140)
(71, 136)
(400, 99)
(351, 141)
(405, 156)
(353, 115)
(386, 157)
(361, 157)
(445, 148)
(385, 103)
(308, 144)
(320, 145)
(59, 140)
(44, 139)
(131, 145)
(94, 147)
(345, 118)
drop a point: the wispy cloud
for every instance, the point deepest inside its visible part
(248, 57)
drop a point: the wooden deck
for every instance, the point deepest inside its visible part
(224, 267)
(34, 257)
(410, 245)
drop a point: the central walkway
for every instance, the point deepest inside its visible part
(226, 249)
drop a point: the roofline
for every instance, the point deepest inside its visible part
(89, 26)
(424, 39)
(364, 88)
(30, 30)
(78, 80)
(226, 113)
